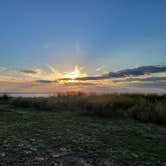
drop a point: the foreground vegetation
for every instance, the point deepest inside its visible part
(145, 108)
(57, 130)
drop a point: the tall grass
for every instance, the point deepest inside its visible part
(145, 108)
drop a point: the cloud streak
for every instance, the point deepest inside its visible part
(138, 79)
(29, 71)
(139, 71)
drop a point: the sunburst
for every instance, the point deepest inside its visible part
(74, 74)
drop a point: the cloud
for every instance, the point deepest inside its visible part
(49, 73)
(144, 78)
(139, 71)
(124, 75)
(86, 78)
(148, 79)
(29, 71)
(137, 79)
(45, 81)
(2, 68)
(100, 68)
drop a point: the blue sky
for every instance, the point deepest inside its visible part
(115, 33)
(57, 35)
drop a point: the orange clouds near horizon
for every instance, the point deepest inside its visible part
(146, 79)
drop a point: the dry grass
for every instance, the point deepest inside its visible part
(146, 108)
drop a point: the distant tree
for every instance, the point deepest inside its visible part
(5, 97)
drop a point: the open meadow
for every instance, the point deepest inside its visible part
(80, 130)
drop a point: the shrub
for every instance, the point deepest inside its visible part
(161, 111)
(145, 108)
(4, 97)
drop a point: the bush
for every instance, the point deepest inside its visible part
(161, 111)
(4, 97)
(145, 108)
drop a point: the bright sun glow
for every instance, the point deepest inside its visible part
(74, 74)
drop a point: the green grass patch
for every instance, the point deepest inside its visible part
(32, 137)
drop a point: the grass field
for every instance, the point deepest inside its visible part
(35, 134)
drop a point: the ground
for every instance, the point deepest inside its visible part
(66, 138)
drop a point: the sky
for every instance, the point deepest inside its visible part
(44, 41)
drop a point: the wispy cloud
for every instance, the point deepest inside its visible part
(2, 68)
(100, 68)
(138, 79)
(29, 71)
(139, 71)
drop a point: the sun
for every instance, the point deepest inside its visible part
(74, 74)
